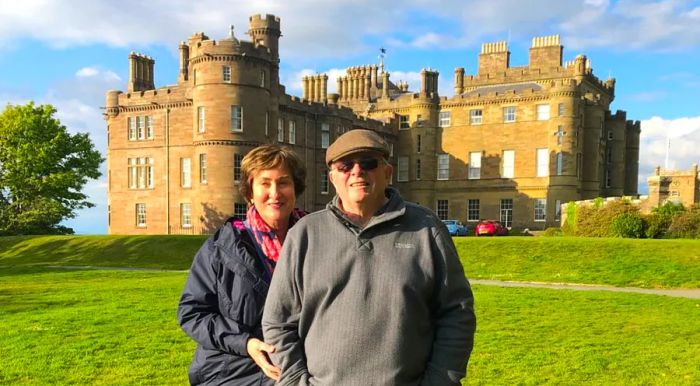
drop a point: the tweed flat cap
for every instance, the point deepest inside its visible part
(355, 141)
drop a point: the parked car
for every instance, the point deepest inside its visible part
(490, 228)
(456, 228)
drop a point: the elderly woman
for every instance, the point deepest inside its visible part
(222, 302)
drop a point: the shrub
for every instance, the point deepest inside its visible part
(569, 227)
(686, 225)
(553, 232)
(596, 220)
(628, 225)
(660, 219)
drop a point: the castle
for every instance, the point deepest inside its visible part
(512, 144)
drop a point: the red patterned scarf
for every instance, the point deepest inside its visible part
(266, 237)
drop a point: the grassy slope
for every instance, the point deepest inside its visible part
(620, 262)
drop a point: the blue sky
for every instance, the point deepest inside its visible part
(68, 53)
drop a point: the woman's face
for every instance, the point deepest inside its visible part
(273, 196)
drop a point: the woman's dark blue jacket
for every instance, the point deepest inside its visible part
(221, 308)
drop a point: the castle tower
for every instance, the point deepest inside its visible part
(459, 80)
(265, 31)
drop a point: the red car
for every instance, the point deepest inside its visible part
(490, 228)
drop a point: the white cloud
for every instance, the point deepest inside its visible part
(684, 136)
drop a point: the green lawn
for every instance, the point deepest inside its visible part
(63, 326)
(617, 262)
(119, 327)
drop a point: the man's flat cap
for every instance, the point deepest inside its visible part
(355, 141)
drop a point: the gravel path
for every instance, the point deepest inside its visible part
(681, 293)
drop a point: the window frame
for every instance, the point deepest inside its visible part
(540, 209)
(442, 209)
(404, 122)
(226, 74)
(186, 172)
(201, 119)
(292, 132)
(508, 168)
(474, 171)
(509, 114)
(445, 119)
(543, 112)
(402, 169)
(185, 215)
(280, 129)
(443, 167)
(203, 168)
(141, 218)
(476, 119)
(236, 125)
(473, 209)
(237, 163)
(325, 135)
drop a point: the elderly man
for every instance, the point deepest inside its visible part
(369, 291)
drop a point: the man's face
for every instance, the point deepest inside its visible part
(360, 179)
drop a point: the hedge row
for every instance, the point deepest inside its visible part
(622, 219)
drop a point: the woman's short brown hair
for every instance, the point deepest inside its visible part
(265, 157)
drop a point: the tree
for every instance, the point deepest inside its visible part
(42, 171)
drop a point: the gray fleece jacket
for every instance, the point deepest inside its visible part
(384, 305)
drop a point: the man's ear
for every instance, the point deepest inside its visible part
(388, 171)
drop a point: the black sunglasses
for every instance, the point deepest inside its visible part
(365, 164)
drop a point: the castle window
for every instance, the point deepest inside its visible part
(391, 150)
(610, 135)
(239, 210)
(475, 116)
(141, 215)
(403, 122)
(444, 119)
(139, 128)
(475, 165)
(236, 118)
(292, 132)
(186, 172)
(542, 112)
(186, 215)
(280, 130)
(418, 143)
(325, 135)
(540, 209)
(262, 78)
(131, 123)
(403, 169)
(140, 173)
(561, 109)
(227, 73)
(201, 119)
(418, 171)
(560, 163)
(443, 171)
(237, 160)
(542, 162)
(202, 168)
(473, 210)
(324, 182)
(508, 170)
(443, 207)
(149, 127)
(507, 212)
(509, 114)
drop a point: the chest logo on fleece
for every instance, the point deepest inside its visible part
(403, 246)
